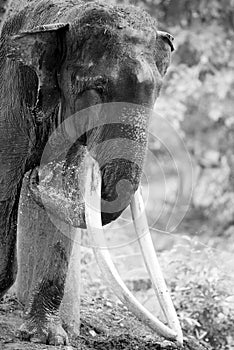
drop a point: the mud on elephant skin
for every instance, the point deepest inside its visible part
(58, 58)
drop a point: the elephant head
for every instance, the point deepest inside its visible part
(91, 57)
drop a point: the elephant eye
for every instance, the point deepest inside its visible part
(100, 89)
(149, 86)
(82, 84)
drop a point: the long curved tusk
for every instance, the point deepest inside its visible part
(94, 225)
(152, 264)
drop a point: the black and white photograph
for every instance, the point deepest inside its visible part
(116, 175)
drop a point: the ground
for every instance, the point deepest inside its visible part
(104, 325)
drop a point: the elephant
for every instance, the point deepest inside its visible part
(57, 58)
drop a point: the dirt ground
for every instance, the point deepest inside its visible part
(104, 325)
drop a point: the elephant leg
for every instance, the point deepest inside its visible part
(14, 146)
(42, 245)
(8, 230)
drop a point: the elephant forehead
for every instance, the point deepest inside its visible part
(112, 25)
(108, 44)
(106, 13)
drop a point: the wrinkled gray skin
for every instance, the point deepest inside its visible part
(44, 68)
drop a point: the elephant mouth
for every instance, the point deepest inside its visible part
(60, 199)
(63, 196)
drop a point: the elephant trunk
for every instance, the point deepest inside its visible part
(119, 144)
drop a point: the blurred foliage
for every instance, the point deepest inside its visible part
(198, 96)
(201, 290)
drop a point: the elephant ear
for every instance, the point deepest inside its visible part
(164, 47)
(41, 49)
